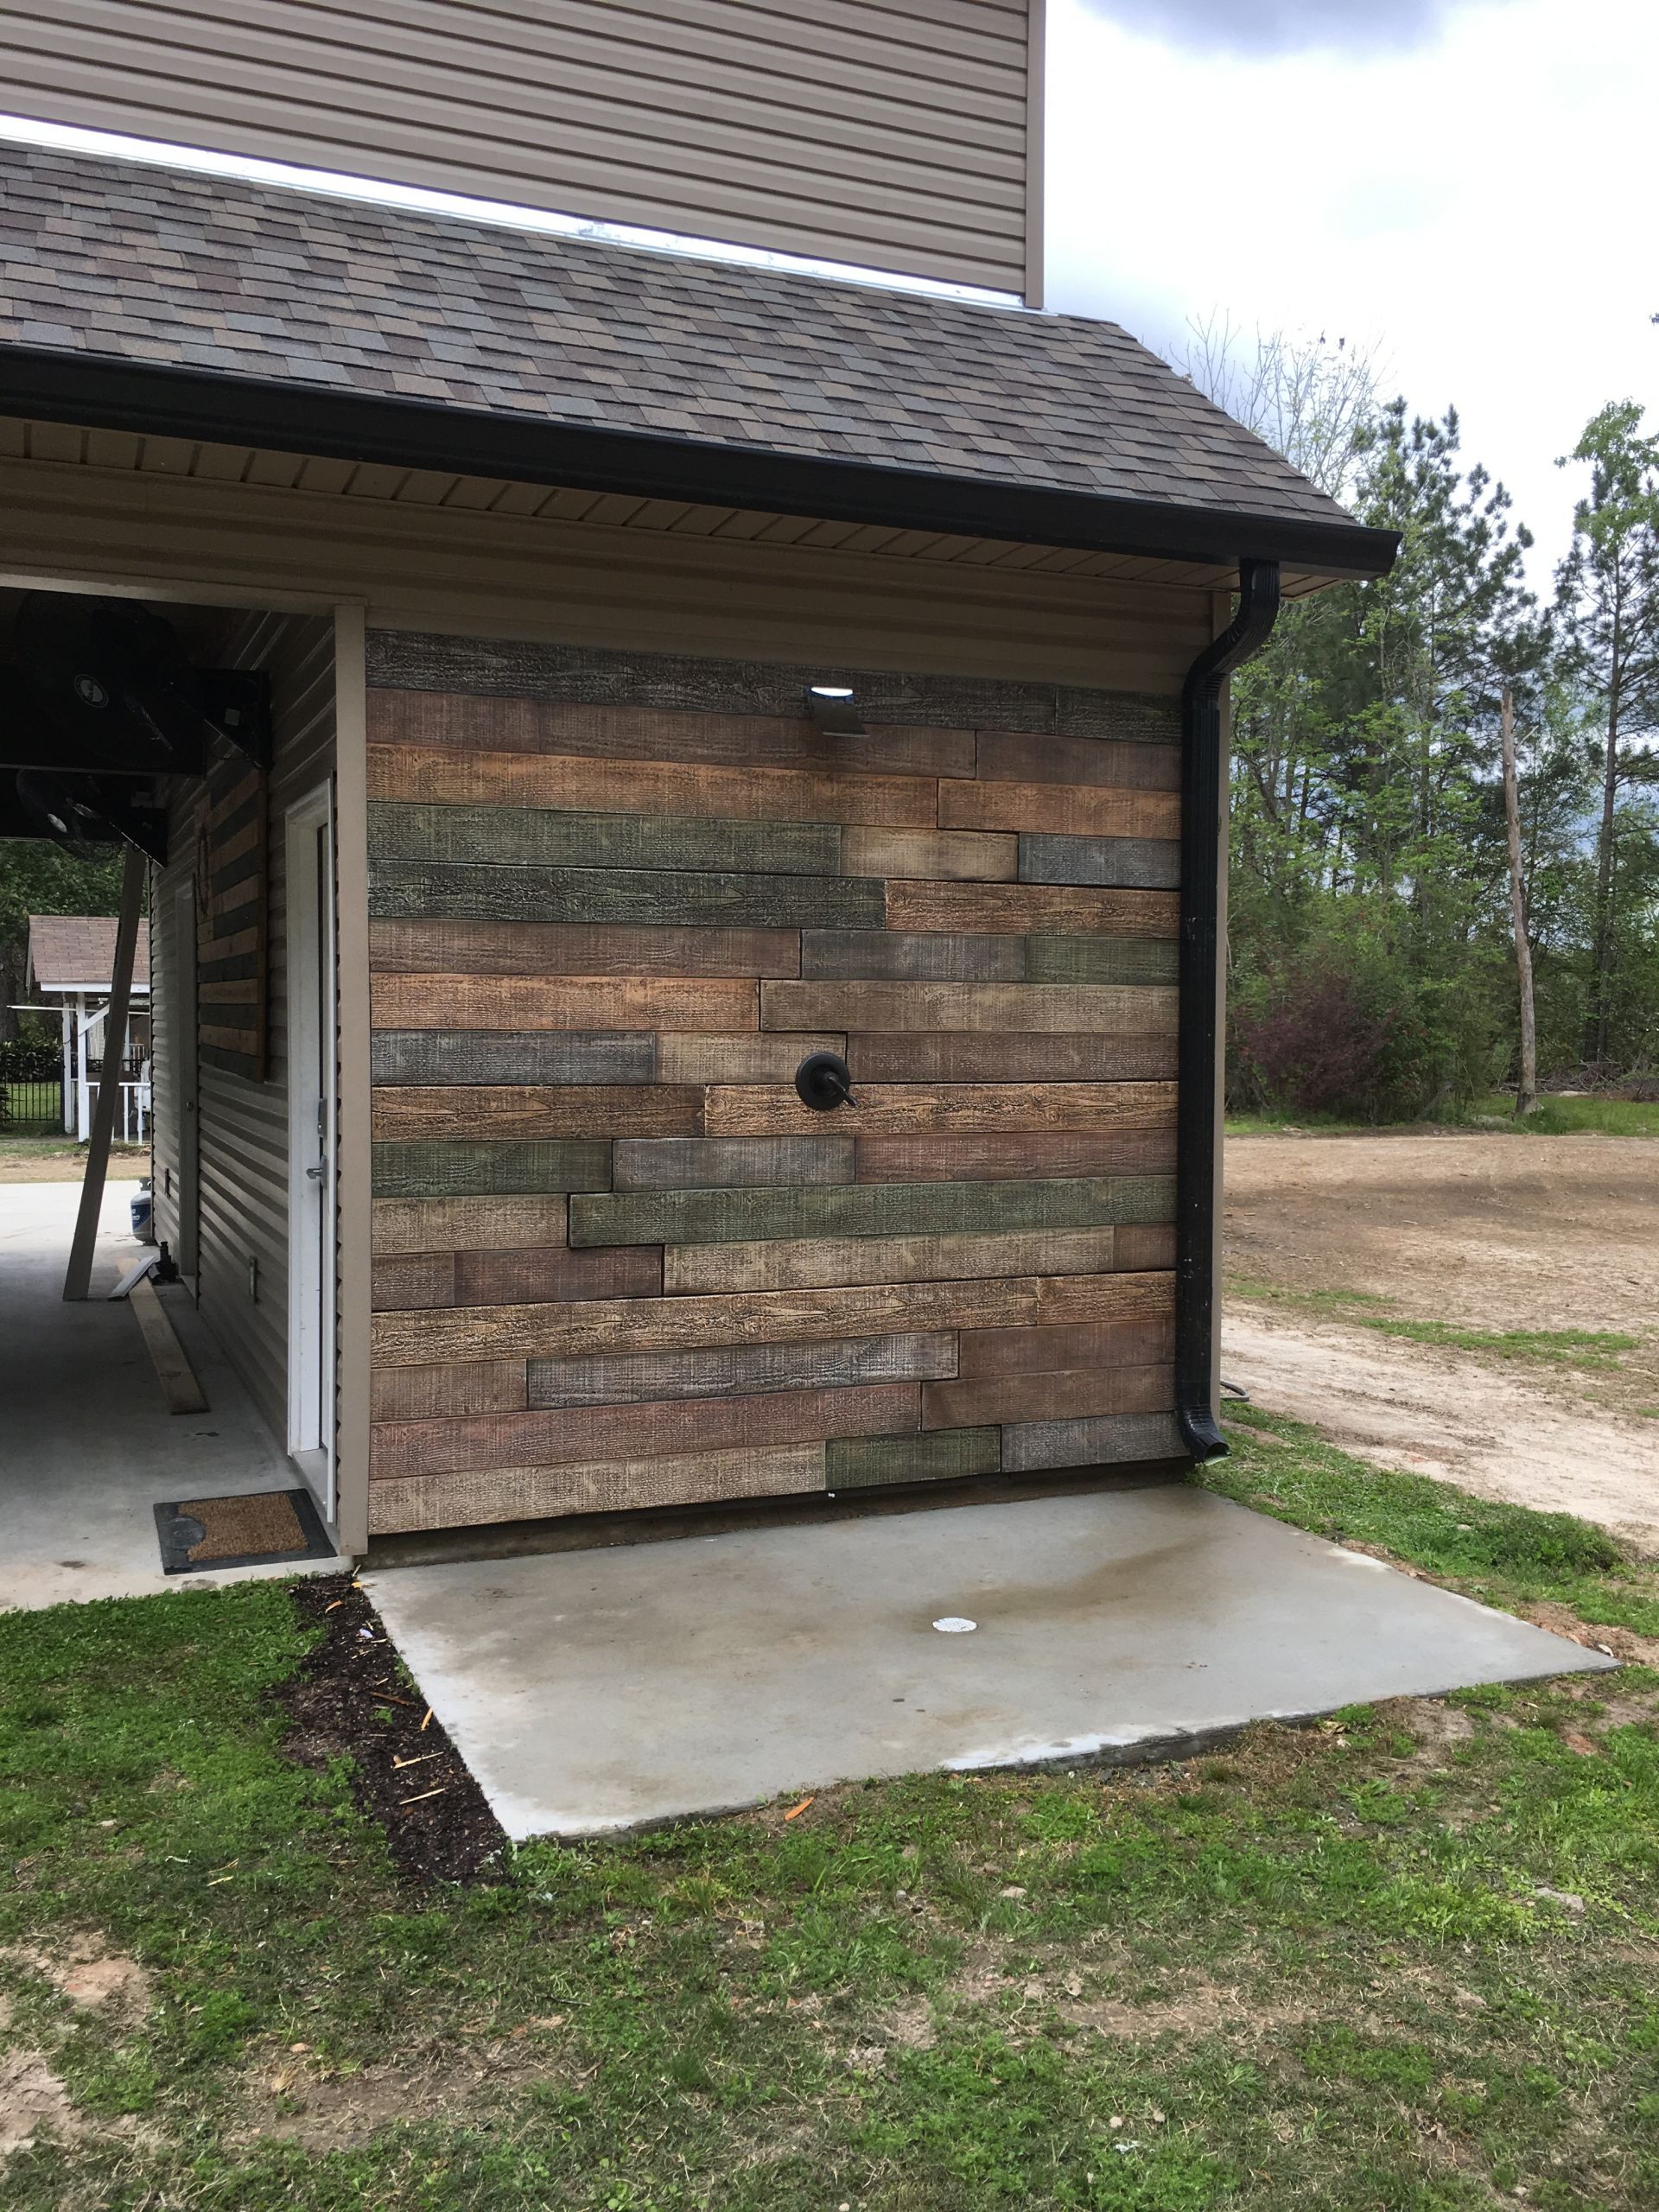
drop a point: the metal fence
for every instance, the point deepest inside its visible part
(33, 1108)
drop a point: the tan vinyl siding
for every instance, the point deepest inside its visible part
(886, 133)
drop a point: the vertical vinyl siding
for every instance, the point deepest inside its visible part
(886, 132)
(243, 1213)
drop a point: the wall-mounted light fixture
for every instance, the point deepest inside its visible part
(833, 709)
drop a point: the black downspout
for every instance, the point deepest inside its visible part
(1203, 797)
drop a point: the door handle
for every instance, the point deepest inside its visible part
(320, 1173)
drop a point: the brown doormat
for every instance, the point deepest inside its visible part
(265, 1528)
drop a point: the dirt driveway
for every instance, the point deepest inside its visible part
(1484, 1231)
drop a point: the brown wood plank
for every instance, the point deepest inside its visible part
(579, 949)
(835, 1210)
(909, 1110)
(477, 1498)
(1010, 1156)
(1145, 1245)
(464, 720)
(547, 1331)
(953, 854)
(807, 1263)
(1070, 1395)
(1034, 909)
(593, 1110)
(473, 1386)
(970, 1057)
(411, 1279)
(1071, 809)
(733, 1058)
(466, 1224)
(462, 776)
(982, 1353)
(739, 1371)
(1020, 757)
(538, 1273)
(600, 1003)
(399, 1449)
(1147, 1008)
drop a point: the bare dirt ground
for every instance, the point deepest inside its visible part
(1484, 1231)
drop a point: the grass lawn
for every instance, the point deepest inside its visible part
(1552, 1117)
(1408, 1961)
(1592, 1348)
(62, 1159)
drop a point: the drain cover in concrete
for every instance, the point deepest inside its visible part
(598, 1690)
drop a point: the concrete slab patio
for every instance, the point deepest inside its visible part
(87, 1446)
(599, 1690)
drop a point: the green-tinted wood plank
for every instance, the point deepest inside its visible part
(867, 1210)
(1102, 960)
(432, 1056)
(739, 1371)
(866, 1462)
(727, 1163)
(906, 955)
(459, 1171)
(1109, 1440)
(463, 892)
(530, 836)
(1139, 863)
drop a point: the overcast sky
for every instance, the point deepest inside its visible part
(1472, 187)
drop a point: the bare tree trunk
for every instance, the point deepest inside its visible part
(1526, 1097)
(1600, 1023)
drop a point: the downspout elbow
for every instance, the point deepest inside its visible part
(1197, 1065)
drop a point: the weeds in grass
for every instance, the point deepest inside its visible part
(1593, 1348)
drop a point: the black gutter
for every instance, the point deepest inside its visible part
(160, 400)
(1203, 799)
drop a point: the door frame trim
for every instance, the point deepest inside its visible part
(312, 1439)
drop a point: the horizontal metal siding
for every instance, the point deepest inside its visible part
(889, 134)
(244, 1132)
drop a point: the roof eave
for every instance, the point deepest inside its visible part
(162, 399)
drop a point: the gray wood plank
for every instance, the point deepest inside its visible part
(727, 1163)
(530, 836)
(465, 892)
(866, 1462)
(1102, 960)
(474, 1056)
(459, 1171)
(867, 1210)
(975, 1056)
(1141, 863)
(739, 1370)
(1110, 1439)
(910, 955)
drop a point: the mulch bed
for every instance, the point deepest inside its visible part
(353, 1698)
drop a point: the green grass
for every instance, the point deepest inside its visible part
(1553, 1117)
(1343, 1986)
(1593, 1348)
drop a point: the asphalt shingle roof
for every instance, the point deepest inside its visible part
(65, 950)
(150, 265)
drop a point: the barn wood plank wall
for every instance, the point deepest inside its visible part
(613, 901)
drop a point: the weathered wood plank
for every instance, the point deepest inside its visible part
(1150, 863)
(474, 1056)
(475, 1386)
(438, 890)
(1068, 809)
(920, 1109)
(741, 1059)
(1034, 1008)
(966, 1056)
(952, 856)
(985, 1352)
(977, 1157)
(548, 1331)
(518, 948)
(1102, 960)
(180, 1387)
(897, 956)
(1075, 1393)
(724, 1163)
(1033, 909)
(1145, 1245)
(456, 1002)
(819, 1261)
(462, 1171)
(458, 719)
(1017, 757)
(542, 1274)
(494, 1110)
(463, 776)
(466, 1225)
(409, 1278)
(476, 1499)
(740, 1370)
(945, 1455)
(875, 1211)
(535, 836)
(399, 1449)
(1110, 1440)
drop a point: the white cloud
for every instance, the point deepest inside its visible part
(1278, 26)
(1480, 204)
